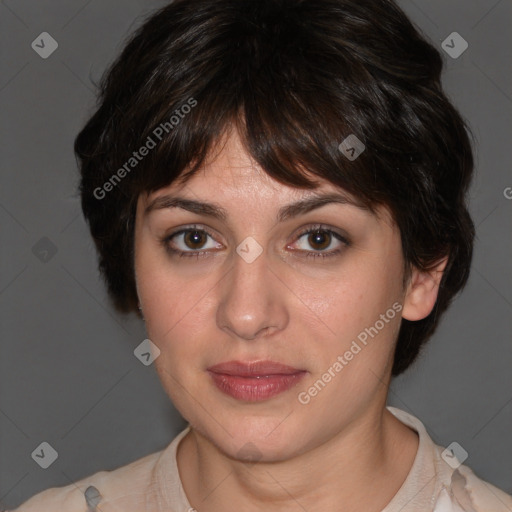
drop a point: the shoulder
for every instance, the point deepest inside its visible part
(134, 477)
(464, 490)
(481, 494)
(454, 487)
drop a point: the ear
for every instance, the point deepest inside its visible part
(421, 294)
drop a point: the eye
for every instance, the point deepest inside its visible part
(321, 238)
(188, 241)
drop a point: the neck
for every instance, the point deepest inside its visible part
(376, 451)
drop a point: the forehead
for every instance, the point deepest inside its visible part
(229, 168)
(231, 177)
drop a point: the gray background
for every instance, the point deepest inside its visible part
(67, 369)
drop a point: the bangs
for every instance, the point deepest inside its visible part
(292, 117)
(288, 149)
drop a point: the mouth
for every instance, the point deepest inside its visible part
(254, 381)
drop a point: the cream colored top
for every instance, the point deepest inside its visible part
(152, 483)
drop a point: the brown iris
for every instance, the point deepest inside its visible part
(319, 238)
(194, 238)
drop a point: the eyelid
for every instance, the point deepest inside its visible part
(324, 228)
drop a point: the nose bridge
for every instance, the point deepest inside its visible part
(249, 302)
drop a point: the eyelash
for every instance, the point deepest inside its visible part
(165, 241)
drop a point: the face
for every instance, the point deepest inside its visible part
(255, 287)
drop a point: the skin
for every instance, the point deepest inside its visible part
(303, 312)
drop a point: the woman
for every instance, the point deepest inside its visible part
(279, 188)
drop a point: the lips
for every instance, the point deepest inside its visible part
(254, 381)
(256, 368)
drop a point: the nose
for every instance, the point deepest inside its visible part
(252, 300)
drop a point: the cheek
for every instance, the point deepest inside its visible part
(178, 314)
(354, 318)
(347, 300)
(175, 318)
(167, 293)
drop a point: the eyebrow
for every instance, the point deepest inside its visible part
(286, 212)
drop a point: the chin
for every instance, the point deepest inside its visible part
(257, 439)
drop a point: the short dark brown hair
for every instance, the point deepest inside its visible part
(296, 78)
